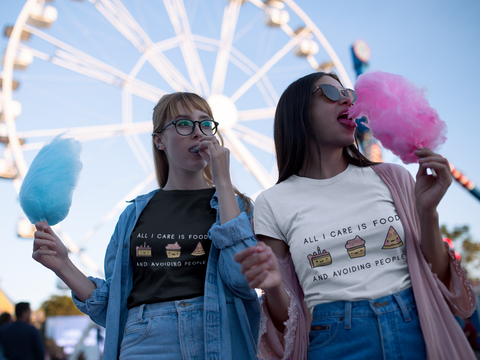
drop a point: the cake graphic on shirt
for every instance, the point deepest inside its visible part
(319, 259)
(173, 250)
(392, 240)
(143, 251)
(199, 250)
(355, 247)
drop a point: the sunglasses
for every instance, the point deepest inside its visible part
(333, 93)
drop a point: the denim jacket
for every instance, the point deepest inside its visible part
(231, 307)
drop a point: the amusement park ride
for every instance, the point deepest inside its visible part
(122, 64)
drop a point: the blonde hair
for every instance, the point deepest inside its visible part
(168, 107)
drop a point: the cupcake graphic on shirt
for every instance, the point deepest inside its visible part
(173, 250)
(356, 247)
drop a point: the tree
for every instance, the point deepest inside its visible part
(468, 248)
(60, 305)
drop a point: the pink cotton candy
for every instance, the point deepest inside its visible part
(398, 113)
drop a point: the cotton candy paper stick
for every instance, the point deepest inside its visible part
(398, 113)
(46, 192)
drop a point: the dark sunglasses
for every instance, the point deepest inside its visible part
(333, 93)
(185, 127)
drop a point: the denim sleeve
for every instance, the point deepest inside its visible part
(230, 238)
(96, 305)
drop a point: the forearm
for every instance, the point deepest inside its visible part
(81, 286)
(227, 202)
(278, 302)
(432, 246)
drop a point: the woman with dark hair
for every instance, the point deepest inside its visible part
(350, 257)
(172, 289)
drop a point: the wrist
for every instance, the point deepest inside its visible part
(224, 186)
(427, 215)
(67, 268)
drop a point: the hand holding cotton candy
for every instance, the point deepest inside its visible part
(398, 113)
(46, 192)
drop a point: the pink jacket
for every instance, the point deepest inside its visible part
(436, 303)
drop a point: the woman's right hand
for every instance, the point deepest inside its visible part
(260, 266)
(48, 249)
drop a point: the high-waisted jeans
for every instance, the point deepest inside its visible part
(384, 328)
(165, 331)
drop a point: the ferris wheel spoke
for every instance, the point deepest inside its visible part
(73, 59)
(86, 133)
(124, 22)
(323, 40)
(313, 62)
(139, 152)
(245, 157)
(249, 68)
(244, 64)
(178, 17)
(229, 24)
(258, 3)
(255, 138)
(268, 65)
(117, 208)
(75, 249)
(256, 114)
(132, 139)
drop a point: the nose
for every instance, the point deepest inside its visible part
(196, 130)
(345, 100)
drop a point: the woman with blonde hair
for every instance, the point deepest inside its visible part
(172, 289)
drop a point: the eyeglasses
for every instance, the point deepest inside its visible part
(333, 93)
(185, 127)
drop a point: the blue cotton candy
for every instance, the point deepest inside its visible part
(46, 192)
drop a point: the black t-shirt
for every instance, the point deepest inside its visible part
(169, 247)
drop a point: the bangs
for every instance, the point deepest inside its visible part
(190, 102)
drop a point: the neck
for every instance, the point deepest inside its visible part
(330, 164)
(185, 180)
(24, 319)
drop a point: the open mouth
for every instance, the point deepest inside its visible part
(194, 149)
(345, 120)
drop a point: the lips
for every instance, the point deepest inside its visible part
(346, 121)
(194, 149)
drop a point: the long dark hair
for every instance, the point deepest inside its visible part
(293, 129)
(167, 108)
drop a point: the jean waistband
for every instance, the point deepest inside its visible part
(400, 300)
(163, 308)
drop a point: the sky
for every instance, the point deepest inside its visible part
(435, 44)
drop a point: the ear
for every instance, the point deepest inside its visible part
(158, 142)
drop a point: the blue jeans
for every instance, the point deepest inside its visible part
(384, 328)
(165, 331)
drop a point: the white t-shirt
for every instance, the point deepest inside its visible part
(344, 233)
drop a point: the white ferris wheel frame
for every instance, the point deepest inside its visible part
(113, 10)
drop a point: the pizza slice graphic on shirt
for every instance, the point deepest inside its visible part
(392, 240)
(199, 250)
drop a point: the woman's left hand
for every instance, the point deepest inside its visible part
(430, 189)
(217, 156)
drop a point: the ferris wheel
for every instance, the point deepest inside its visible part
(96, 68)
